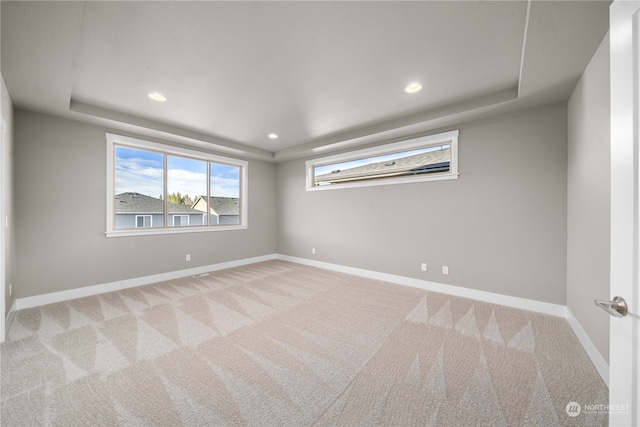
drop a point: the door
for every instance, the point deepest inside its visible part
(624, 381)
(3, 230)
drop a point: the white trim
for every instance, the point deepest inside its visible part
(10, 316)
(490, 297)
(113, 139)
(173, 230)
(450, 137)
(596, 358)
(521, 303)
(38, 300)
(170, 149)
(386, 181)
(515, 302)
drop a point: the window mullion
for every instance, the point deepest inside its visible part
(165, 177)
(208, 195)
(135, 182)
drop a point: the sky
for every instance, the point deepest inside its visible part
(142, 171)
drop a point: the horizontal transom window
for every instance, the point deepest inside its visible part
(428, 158)
(155, 188)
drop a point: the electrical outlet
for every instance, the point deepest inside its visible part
(313, 250)
(424, 266)
(188, 257)
(445, 269)
(10, 289)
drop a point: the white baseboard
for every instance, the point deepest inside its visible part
(10, 316)
(515, 302)
(522, 303)
(596, 358)
(490, 297)
(38, 300)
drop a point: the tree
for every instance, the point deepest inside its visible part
(179, 199)
(175, 198)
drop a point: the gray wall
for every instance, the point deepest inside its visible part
(9, 262)
(501, 227)
(589, 192)
(60, 175)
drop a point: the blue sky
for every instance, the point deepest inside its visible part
(142, 171)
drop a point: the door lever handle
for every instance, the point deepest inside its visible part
(616, 307)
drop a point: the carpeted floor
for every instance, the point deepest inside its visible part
(282, 344)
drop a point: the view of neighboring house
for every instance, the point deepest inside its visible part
(222, 210)
(135, 210)
(429, 162)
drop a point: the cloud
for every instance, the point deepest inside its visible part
(139, 175)
(187, 182)
(145, 176)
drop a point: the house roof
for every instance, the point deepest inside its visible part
(431, 160)
(131, 202)
(222, 205)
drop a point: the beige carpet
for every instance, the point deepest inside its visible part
(282, 344)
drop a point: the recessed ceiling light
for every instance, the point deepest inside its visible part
(273, 136)
(413, 87)
(157, 96)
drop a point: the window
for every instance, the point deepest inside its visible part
(155, 188)
(180, 220)
(143, 221)
(427, 158)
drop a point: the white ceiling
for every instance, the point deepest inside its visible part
(324, 76)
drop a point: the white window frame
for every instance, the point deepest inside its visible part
(114, 139)
(450, 138)
(173, 220)
(144, 216)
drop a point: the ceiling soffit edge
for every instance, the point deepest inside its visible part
(400, 127)
(230, 147)
(378, 132)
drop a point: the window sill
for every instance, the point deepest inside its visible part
(148, 232)
(385, 181)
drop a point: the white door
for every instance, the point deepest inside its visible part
(624, 380)
(3, 192)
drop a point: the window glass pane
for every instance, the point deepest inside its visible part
(224, 203)
(186, 182)
(143, 221)
(139, 188)
(406, 163)
(159, 189)
(181, 220)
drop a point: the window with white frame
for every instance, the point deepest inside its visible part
(180, 220)
(144, 221)
(156, 188)
(427, 158)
